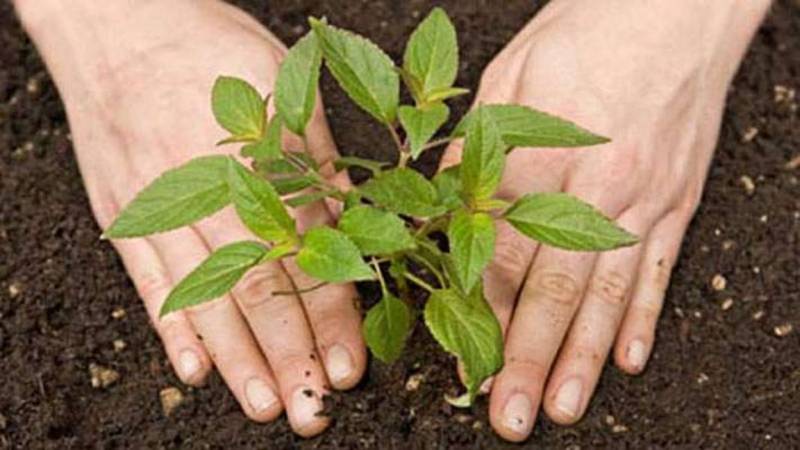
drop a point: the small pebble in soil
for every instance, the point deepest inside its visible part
(718, 282)
(702, 378)
(462, 418)
(756, 270)
(764, 218)
(783, 94)
(748, 183)
(610, 420)
(119, 345)
(758, 314)
(413, 382)
(749, 134)
(619, 429)
(102, 377)
(793, 163)
(477, 425)
(171, 398)
(118, 313)
(32, 86)
(727, 304)
(783, 330)
(14, 289)
(728, 244)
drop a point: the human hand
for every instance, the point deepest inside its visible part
(653, 78)
(135, 81)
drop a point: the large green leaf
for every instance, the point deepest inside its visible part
(467, 328)
(296, 85)
(362, 69)
(483, 159)
(374, 231)
(177, 198)
(421, 124)
(431, 55)
(259, 206)
(471, 238)
(329, 255)
(239, 108)
(522, 126)
(386, 327)
(403, 191)
(564, 221)
(215, 276)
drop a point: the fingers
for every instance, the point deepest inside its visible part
(336, 322)
(637, 333)
(223, 330)
(583, 354)
(547, 303)
(280, 328)
(153, 282)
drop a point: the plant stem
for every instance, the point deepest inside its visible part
(419, 282)
(430, 266)
(402, 148)
(318, 178)
(377, 267)
(438, 142)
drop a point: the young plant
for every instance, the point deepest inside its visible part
(393, 218)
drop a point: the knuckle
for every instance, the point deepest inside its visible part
(255, 287)
(584, 352)
(611, 288)
(526, 366)
(556, 287)
(153, 285)
(511, 255)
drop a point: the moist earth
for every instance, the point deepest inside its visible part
(725, 371)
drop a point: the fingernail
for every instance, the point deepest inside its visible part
(339, 364)
(259, 394)
(568, 398)
(306, 404)
(189, 364)
(637, 354)
(517, 414)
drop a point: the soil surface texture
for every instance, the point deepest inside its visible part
(725, 372)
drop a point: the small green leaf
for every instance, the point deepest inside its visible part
(376, 232)
(328, 255)
(522, 126)
(259, 206)
(403, 191)
(439, 95)
(386, 327)
(177, 198)
(290, 185)
(413, 84)
(215, 276)
(564, 221)
(296, 85)
(484, 157)
(362, 69)
(471, 238)
(421, 124)
(346, 162)
(239, 108)
(467, 328)
(432, 53)
(448, 184)
(269, 147)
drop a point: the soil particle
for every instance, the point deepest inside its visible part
(749, 185)
(118, 313)
(171, 398)
(719, 282)
(102, 377)
(783, 330)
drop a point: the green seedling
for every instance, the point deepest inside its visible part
(393, 219)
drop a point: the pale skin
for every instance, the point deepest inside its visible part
(135, 79)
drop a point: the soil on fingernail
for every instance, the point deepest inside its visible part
(59, 283)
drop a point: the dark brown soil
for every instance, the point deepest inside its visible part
(718, 378)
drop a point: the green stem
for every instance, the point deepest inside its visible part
(430, 266)
(419, 282)
(438, 142)
(377, 268)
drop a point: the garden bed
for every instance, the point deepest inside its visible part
(725, 372)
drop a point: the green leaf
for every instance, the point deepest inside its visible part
(215, 276)
(403, 191)
(304, 199)
(386, 327)
(177, 198)
(439, 95)
(269, 147)
(239, 108)
(328, 255)
(467, 328)
(259, 206)
(521, 126)
(471, 238)
(346, 162)
(376, 232)
(448, 184)
(421, 124)
(564, 221)
(484, 157)
(362, 69)
(290, 185)
(296, 85)
(431, 55)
